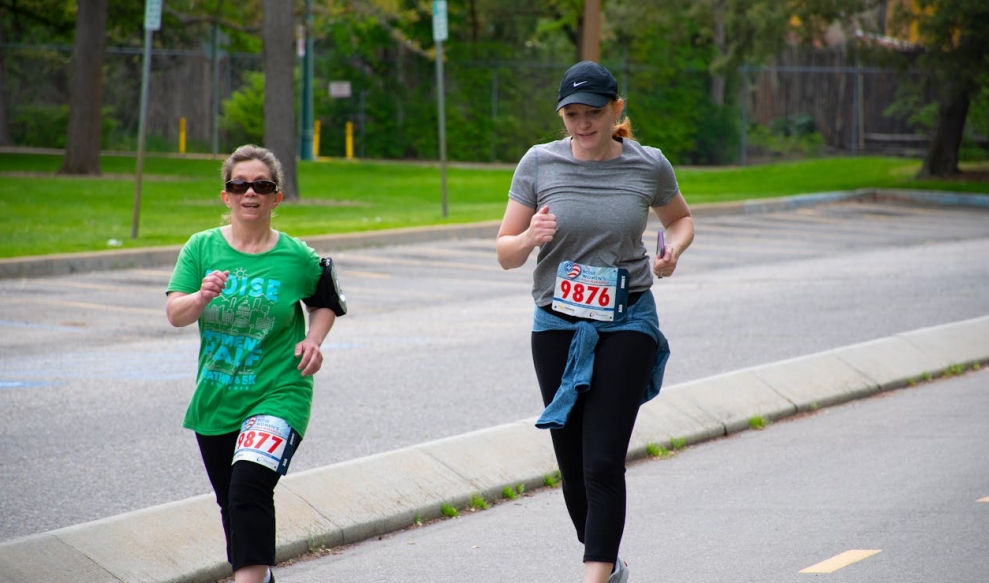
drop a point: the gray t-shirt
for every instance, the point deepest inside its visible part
(601, 208)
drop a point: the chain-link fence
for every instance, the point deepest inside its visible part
(495, 110)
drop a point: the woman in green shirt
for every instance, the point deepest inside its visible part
(244, 284)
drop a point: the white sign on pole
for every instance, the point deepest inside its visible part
(439, 21)
(340, 89)
(152, 15)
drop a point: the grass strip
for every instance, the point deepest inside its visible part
(42, 212)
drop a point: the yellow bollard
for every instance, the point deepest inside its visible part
(181, 135)
(350, 140)
(315, 139)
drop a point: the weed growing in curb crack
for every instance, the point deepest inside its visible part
(477, 502)
(449, 511)
(513, 492)
(954, 370)
(656, 450)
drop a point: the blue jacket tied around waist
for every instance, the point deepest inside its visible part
(639, 317)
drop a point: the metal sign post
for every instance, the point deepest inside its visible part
(440, 35)
(152, 22)
(306, 114)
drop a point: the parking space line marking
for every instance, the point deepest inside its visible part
(84, 285)
(840, 561)
(422, 263)
(85, 305)
(153, 272)
(367, 274)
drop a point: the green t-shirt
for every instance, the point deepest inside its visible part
(247, 362)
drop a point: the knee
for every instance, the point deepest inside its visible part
(604, 471)
(251, 485)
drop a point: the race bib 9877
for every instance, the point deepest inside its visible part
(268, 441)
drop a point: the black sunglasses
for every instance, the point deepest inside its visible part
(259, 186)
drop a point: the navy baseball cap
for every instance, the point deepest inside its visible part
(587, 83)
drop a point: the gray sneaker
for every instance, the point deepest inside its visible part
(620, 574)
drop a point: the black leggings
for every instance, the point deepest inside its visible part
(245, 492)
(592, 446)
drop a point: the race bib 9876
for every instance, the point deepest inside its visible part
(586, 291)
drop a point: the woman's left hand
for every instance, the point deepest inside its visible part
(679, 225)
(665, 266)
(312, 358)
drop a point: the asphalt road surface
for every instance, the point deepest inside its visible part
(871, 491)
(94, 382)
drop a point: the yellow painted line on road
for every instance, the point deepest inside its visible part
(986, 499)
(840, 561)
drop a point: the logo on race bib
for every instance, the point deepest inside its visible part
(572, 269)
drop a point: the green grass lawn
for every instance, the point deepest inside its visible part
(42, 212)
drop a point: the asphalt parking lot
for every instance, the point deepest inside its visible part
(94, 382)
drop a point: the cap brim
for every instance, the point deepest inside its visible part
(591, 99)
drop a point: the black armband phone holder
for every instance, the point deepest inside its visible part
(328, 292)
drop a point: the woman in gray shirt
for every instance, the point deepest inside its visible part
(596, 345)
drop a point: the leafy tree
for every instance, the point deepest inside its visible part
(954, 59)
(740, 32)
(561, 25)
(29, 22)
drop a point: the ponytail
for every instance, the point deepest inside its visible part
(622, 129)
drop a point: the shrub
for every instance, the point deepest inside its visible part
(47, 126)
(243, 113)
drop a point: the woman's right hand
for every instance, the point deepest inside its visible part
(542, 227)
(522, 230)
(213, 285)
(184, 309)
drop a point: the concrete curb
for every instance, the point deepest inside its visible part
(363, 498)
(68, 263)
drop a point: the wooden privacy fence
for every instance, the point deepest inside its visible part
(849, 105)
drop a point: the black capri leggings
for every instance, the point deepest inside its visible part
(245, 492)
(592, 446)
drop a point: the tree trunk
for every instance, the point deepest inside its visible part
(279, 95)
(590, 32)
(942, 153)
(4, 122)
(474, 25)
(957, 82)
(82, 144)
(718, 79)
